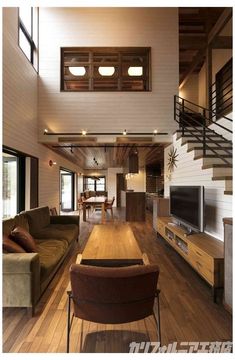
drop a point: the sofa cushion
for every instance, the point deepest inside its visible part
(70, 231)
(50, 252)
(10, 246)
(24, 239)
(22, 221)
(58, 232)
(38, 219)
(8, 225)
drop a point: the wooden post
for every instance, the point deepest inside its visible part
(208, 76)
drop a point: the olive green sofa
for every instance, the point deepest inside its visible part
(27, 275)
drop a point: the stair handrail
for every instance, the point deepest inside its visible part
(204, 108)
(202, 132)
(205, 117)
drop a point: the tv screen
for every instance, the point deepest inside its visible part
(187, 205)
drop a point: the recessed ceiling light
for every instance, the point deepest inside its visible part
(84, 132)
(77, 70)
(106, 70)
(135, 71)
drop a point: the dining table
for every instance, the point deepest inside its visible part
(94, 201)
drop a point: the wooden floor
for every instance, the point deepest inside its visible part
(187, 310)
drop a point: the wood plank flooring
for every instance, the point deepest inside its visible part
(187, 309)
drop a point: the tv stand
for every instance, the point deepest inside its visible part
(188, 230)
(202, 251)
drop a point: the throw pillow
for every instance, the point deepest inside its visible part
(9, 246)
(24, 239)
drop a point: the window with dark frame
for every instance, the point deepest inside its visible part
(94, 184)
(105, 69)
(28, 28)
(224, 89)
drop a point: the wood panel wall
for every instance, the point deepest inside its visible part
(107, 111)
(20, 111)
(189, 172)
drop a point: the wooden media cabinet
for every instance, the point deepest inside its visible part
(202, 251)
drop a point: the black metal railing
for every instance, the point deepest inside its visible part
(221, 91)
(196, 123)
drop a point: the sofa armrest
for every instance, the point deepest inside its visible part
(21, 279)
(64, 219)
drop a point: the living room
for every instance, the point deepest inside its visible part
(94, 145)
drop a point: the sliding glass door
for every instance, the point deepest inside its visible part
(66, 190)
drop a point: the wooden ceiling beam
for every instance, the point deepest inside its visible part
(191, 42)
(196, 60)
(221, 22)
(222, 42)
(219, 25)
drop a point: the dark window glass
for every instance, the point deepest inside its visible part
(94, 184)
(28, 17)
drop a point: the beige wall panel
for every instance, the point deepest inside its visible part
(108, 111)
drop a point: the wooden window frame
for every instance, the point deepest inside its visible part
(95, 189)
(138, 56)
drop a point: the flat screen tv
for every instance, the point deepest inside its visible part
(187, 206)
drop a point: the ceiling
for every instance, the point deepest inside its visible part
(195, 23)
(86, 156)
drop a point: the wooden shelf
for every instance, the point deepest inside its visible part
(202, 251)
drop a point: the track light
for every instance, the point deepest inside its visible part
(84, 132)
(124, 132)
(155, 131)
(45, 131)
(95, 161)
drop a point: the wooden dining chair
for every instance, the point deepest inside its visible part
(88, 207)
(108, 205)
(113, 295)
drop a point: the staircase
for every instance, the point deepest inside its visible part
(214, 149)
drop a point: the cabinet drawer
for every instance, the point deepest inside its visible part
(202, 263)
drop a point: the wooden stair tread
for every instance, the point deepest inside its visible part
(225, 177)
(209, 166)
(208, 148)
(212, 156)
(208, 141)
(228, 192)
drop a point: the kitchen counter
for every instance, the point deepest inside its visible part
(134, 202)
(149, 200)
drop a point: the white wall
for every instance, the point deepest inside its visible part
(189, 172)
(20, 117)
(190, 91)
(112, 182)
(109, 111)
(138, 182)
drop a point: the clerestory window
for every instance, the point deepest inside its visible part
(105, 69)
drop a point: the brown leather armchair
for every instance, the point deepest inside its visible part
(111, 295)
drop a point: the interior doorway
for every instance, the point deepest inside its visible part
(66, 190)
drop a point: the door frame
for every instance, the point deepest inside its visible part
(72, 174)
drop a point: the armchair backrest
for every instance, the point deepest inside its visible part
(113, 295)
